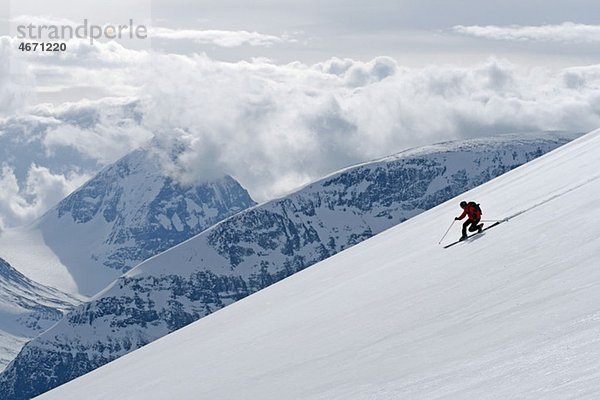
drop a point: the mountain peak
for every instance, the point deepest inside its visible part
(128, 212)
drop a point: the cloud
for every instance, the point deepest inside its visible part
(220, 37)
(566, 32)
(275, 127)
(42, 189)
(49, 152)
(103, 131)
(357, 73)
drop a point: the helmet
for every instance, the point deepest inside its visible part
(463, 204)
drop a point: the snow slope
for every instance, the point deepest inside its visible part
(27, 308)
(127, 213)
(512, 313)
(255, 248)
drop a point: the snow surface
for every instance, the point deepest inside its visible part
(512, 313)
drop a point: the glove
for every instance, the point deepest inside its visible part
(456, 218)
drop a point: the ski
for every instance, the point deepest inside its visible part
(476, 233)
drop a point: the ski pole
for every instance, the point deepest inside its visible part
(446, 232)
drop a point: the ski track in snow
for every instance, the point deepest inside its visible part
(554, 197)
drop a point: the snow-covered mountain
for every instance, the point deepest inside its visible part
(511, 313)
(48, 151)
(27, 308)
(127, 213)
(255, 248)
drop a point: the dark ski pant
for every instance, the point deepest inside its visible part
(472, 228)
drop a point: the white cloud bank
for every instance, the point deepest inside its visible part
(277, 126)
(565, 32)
(111, 134)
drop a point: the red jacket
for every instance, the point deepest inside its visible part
(472, 212)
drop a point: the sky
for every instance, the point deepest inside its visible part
(279, 93)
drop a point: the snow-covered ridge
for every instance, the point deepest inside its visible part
(255, 248)
(511, 313)
(27, 308)
(127, 213)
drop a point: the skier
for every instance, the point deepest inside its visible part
(472, 210)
